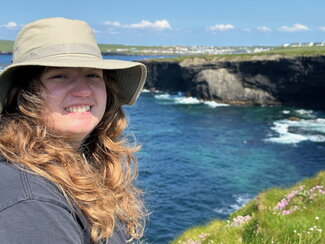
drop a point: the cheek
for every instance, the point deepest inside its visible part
(104, 96)
(101, 94)
(52, 97)
(54, 90)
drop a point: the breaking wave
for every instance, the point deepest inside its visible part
(295, 129)
(181, 99)
(240, 201)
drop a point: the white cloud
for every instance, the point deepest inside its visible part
(143, 24)
(294, 28)
(322, 28)
(264, 28)
(221, 27)
(10, 25)
(113, 23)
(158, 25)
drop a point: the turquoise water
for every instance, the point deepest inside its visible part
(202, 160)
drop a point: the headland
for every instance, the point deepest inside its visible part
(295, 78)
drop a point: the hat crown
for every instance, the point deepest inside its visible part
(44, 36)
(61, 42)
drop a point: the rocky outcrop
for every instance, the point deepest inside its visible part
(296, 81)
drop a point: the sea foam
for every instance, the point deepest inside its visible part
(305, 113)
(295, 131)
(240, 201)
(181, 99)
(145, 90)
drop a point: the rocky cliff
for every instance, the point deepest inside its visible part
(295, 81)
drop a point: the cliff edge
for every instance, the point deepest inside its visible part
(262, 80)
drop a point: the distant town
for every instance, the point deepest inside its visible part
(197, 50)
(185, 50)
(178, 50)
(305, 44)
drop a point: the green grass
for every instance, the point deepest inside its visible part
(266, 224)
(128, 49)
(6, 46)
(293, 51)
(283, 52)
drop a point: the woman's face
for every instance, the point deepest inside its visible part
(75, 98)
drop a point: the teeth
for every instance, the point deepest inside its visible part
(78, 109)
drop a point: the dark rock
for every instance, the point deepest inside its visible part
(298, 81)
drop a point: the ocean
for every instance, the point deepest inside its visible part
(203, 160)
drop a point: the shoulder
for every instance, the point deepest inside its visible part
(30, 203)
(17, 185)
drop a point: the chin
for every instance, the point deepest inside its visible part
(76, 129)
(79, 134)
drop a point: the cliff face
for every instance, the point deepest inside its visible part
(298, 81)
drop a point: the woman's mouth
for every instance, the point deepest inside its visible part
(78, 109)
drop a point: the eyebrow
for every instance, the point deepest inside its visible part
(52, 68)
(56, 68)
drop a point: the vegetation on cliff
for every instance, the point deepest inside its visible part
(6, 47)
(275, 53)
(295, 215)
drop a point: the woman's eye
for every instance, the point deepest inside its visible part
(93, 76)
(57, 77)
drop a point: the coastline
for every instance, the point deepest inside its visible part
(277, 215)
(262, 81)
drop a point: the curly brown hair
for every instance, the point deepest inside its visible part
(98, 174)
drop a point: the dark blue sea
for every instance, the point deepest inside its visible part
(203, 160)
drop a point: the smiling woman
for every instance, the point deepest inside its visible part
(76, 100)
(66, 173)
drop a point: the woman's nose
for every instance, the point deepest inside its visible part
(81, 87)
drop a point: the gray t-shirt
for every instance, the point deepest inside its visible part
(34, 211)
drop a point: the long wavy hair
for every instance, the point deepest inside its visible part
(98, 176)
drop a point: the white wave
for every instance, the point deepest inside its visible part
(187, 100)
(292, 132)
(151, 91)
(157, 91)
(305, 113)
(178, 99)
(164, 96)
(214, 104)
(286, 112)
(181, 99)
(145, 90)
(240, 201)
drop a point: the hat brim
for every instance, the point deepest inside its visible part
(130, 76)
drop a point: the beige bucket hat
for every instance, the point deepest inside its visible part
(61, 42)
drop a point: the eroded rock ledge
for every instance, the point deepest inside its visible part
(274, 80)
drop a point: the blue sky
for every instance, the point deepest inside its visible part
(179, 22)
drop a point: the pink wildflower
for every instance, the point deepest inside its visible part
(282, 204)
(203, 235)
(286, 212)
(239, 220)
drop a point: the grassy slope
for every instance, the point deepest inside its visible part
(6, 46)
(113, 47)
(278, 51)
(301, 221)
